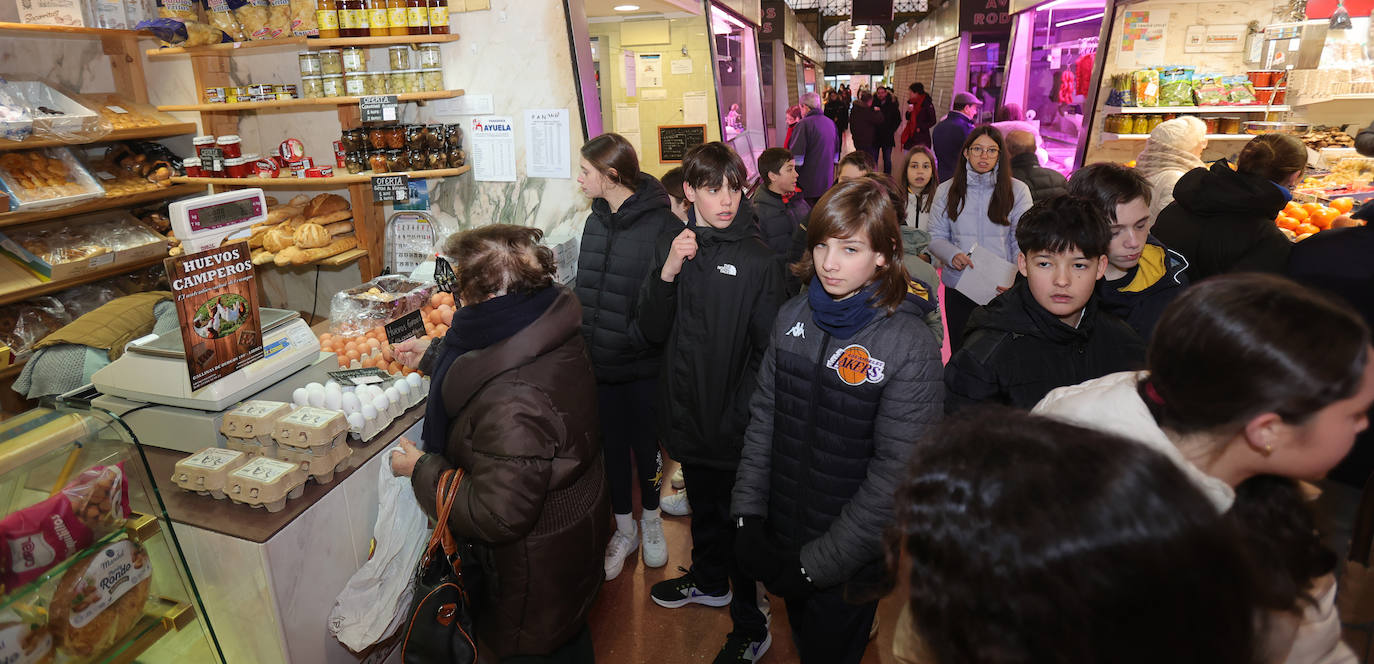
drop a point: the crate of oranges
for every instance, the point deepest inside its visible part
(1299, 221)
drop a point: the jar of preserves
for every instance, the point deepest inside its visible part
(399, 57)
(332, 85)
(354, 162)
(309, 62)
(394, 163)
(352, 16)
(234, 167)
(376, 138)
(376, 83)
(432, 79)
(395, 136)
(1229, 124)
(354, 60)
(200, 144)
(230, 146)
(436, 159)
(1140, 125)
(192, 166)
(1213, 124)
(327, 18)
(396, 81)
(417, 17)
(434, 137)
(331, 61)
(415, 137)
(355, 84)
(453, 136)
(396, 18)
(376, 159)
(429, 56)
(377, 20)
(457, 158)
(438, 17)
(353, 139)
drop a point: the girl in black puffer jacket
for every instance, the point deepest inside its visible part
(630, 210)
(850, 382)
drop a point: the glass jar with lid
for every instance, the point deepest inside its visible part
(429, 56)
(355, 84)
(432, 79)
(309, 62)
(376, 159)
(396, 81)
(312, 87)
(354, 59)
(331, 61)
(395, 136)
(354, 162)
(376, 83)
(399, 56)
(332, 85)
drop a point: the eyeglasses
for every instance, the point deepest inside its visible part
(979, 151)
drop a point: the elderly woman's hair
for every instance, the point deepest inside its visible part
(499, 259)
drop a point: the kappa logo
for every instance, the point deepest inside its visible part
(798, 330)
(726, 268)
(855, 366)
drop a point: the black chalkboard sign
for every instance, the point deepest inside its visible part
(675, 140)
(408, 326)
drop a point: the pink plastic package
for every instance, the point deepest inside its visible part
(35, 539)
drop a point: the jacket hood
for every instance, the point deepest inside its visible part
(1025, 160)
(1111, 404)
(918, 300)
(914, 241)
(649, 196)
(1222, 192)
(1157, 158)
(744, 226)
(1017, 312)
(1159, 267)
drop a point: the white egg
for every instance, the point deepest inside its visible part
(356, 420)
(314, 386)
(413, 379)
(317, 397)
(368, 412)
(350, 402)
(333, 401)
(393, 395)
(300, 397)
(332, 385)
(403, 386)
(382, 404)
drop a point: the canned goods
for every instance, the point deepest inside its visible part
(399, 56)
(313, 86)
(354, 60)
(355, 84)
(235, 168)
(258, 89)
(231, 146)
(284, 95)
(292, 150)
(319, 172)
(309, 63)
(429, 56)
(239, 91)
(214, 95)
(340, 154)
(266, 168)
(192, 166)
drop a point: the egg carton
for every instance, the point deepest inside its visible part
(207, 471)
(320, 463)
(368, 409)
(266, 483)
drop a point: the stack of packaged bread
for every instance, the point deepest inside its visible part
(304, 230)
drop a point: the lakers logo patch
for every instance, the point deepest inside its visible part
(855, 366)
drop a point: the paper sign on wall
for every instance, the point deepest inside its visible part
(650, 70)
(465, 104)
(547, 145)
(656, 94)
(682, 66)
(694, 107)
(630, 88)
(1215, 39)
(1142, 39)
(493, 149)
(626, 118)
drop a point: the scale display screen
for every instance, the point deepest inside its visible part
(227, 213)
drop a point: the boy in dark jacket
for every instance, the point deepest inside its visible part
(777, 202)
(1143, 276)
(1044, 183)
(712, 297)
(1046, 331)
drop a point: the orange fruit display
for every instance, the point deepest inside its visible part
(1343, 205)
(1304, 229)
(1288, 223)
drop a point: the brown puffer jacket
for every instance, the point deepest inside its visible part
(524, 425)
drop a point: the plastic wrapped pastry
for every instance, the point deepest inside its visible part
(252, 17)
(221, 16)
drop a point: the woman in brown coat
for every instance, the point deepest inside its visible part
(513, 401)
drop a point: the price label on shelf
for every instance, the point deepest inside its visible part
(408, 326)
(391, 188)
(378, 109)
(365, 376)
(212, 159)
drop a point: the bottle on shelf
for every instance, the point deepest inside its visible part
(353, 18)
(378, 19)
(417, 16)
(438, 17)
(397, 21)
(327, 18)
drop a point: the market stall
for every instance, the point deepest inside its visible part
(962, 46)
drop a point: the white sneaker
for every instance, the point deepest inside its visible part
(655, 547)
(617, 551)
(675, 504)
(676, 480)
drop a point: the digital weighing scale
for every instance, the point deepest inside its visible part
(205, 222)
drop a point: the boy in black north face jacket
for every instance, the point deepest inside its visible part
(712, 296)
(1047, 330)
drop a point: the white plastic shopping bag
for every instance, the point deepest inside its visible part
(374, 603)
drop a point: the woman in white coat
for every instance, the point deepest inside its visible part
(1173, 148)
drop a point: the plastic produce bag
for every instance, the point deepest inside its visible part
(1176, 86)
(1145, 84)
(220, 15)
(86, 298)
(56, 115)
(1209, 89)
(15, 122)
(1239, 90)
(25, 324)
(50, 177)
(374, 602)
(377, 302)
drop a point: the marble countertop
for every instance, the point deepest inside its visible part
(251, 523)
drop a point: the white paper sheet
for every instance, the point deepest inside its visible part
(683, 66)
(626, 118)
(630, 87)
(694, 107)
(650, 74)
(654, 94)
(547, 145)
(493, 149)
(979, 281)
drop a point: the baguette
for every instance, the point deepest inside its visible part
(262, 256)
(278, 238)
(343, 215)
(339, 245)
(287, 256)
(324, 204)
(339, 227)
(282, 213)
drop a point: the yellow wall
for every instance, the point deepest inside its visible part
(690, 32)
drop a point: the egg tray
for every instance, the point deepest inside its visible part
(309, 426)
(253, 447)
(207, 471)
(266, 483)
(320, 463)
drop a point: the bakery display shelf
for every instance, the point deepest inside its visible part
(337, 260)
(332, 181)
(161, 616)
(1211, 137)
(332, 42)
(306, 102)
(22, 595)
(160, 131)
(24, 292)
(45, 30)
(1248, 108)
(97, 204)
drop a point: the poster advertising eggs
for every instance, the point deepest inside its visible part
(217, 305)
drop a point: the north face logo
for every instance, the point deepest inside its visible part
(798, 330)
(726, 268)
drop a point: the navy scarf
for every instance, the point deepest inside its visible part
(842, 319)
(476, 327)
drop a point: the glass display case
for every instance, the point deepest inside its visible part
(91, 569)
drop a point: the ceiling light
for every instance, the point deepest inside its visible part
(978, 45)
(625, 8)
(1079, 20)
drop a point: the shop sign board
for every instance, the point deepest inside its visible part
(381, 108)
(984, 16)
(388, 188)
(406, 327)
(216, 300)
(675, 140)
(363, 376)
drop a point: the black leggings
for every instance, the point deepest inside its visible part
(957, 310)
(627, 425)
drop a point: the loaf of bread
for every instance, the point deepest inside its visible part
(342, 215)
(311, 236)
(339, 245)
(287, 256)
(281, 213)
(324, 204)
(100, 598)
(277, 239)
(262, 256)
(339, 227)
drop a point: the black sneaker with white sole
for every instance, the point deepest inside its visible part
(741, 648)
(683, 590)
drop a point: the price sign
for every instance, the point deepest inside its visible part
(378, 109)
(406, 327)
(388, 188)
(366, 376)
(212, 159)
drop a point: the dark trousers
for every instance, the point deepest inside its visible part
(577, 650)
(713, 547)
(829, 630)
(957, 310)
(872, 152)
(886, 164)
(628, 429)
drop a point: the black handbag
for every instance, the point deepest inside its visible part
(439, 630)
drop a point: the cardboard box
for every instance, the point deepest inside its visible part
(47, 272)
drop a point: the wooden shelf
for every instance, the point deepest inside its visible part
(337, 260)
(13, 369)
(47, 30)
(17, 218)
(1211, 137)
(312, 183)
(160, 131)
(334, 42)
(306, 102)
(1248, 108)
(24, 292)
